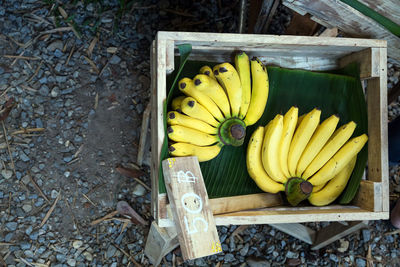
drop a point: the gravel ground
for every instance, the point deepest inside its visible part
(80, 85)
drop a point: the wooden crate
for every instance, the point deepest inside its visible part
(312, 53)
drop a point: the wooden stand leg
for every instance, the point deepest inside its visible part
(323, 237)
(160, 242)
(335, 231)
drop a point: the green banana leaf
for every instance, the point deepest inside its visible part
(382, 20)
(336, 92)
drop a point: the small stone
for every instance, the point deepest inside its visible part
(229, 257)
(24, 157)
(292, 255)
(255, 262)
(344, 245)
(58, 44)
(71, 262)
(27, 208)
(61, 257)
(25, 245)
(12, 226)
(88, 256)
(139, 190)
(58, 53)
(360, 262)
(54, 193)
(115, 60)
(77, 244)
(245, 249)
(55, 91)
(366, 233)
(44, 90)
(7, 174)
(39, 123)
(111, 251)
(29, 253)
(333, 257)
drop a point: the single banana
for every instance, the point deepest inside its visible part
(186, 86)
(317, 188)
(322, 134)
(301, 137)
(339, 160)
(289, 126)
(242, 64)
(228, 77)
(211, 88)
(259, 92)
(190, 107)
(203, 153)
(336, 141)
(334, 187)
(255, 166)
(176, 103)
(300, 119)
(175, 118)
(207, 70)
(270, 149)
(184, 134)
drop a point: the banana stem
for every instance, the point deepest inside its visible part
(297, 190)
(232, 132)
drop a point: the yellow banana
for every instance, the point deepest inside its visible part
(334, 187)
(300, 119)
(186, 86)
(207, 70)
(301, 137)
(203, 153)
(289, 126)
(242, 65)
(339, 137)
(259, 92)
(176, 103)
(270, 149)
(228, 77)
(255, 166)
(322, 134)
(175, 118)
(317, 188)
(184, 134)
(193, 109)
(339, 160)
(211, 88)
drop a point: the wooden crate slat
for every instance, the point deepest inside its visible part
(350, 21)
(369, 60)
(369, 196)
(259, 41)
(297, 230)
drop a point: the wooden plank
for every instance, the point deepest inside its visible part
(368, 59)
(160, 241)
(335, 231)
(170, 54)
(245, 202)
(263, 217)
(189, 202)
(387, 8)
(297, 230)
(260, 41)
(378, 169)
(143, 134)
(351, 21)
(153, 129)
(369, 196)
(267, 11)
(329, 32)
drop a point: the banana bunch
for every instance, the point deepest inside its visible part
(217, 105)
(303, 157)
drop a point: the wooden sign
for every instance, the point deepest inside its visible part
(192, 215)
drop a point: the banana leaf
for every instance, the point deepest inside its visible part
(336, 92)
(382, 20)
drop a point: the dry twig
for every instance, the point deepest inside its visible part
(8, 147)
(109, 215)
(88, 199)
(38, 188)
(92, 64)
(50, 210)
(128, 255)
(21, 57)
